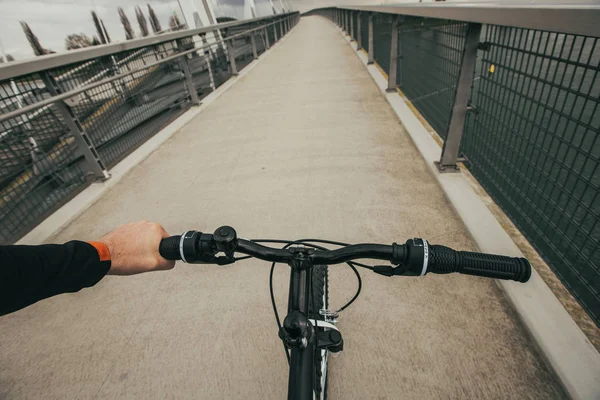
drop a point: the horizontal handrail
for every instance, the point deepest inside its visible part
(41, 63)
(579, 18)
(84, 88)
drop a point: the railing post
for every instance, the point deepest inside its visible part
(84, 144)
(393, 55)
(399, 71)
(456, 126)
(281, 28)
(371, 58)
(267, 44)
(275, 32)
(346, 22)
(351, 16)
(231, 54)
(358, 32)
(189, 81)
(253, 42)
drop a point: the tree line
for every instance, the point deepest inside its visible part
(81, 40)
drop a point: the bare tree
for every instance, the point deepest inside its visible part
(174, 23)
(99, 25)
(141, 21)
(154, 22)
(34, 42)
(78, 41)
(126, 24)
(105, 32)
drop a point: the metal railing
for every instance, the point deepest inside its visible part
(66, 119)
(514, 92)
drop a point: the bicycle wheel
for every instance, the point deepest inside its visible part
(320, 294)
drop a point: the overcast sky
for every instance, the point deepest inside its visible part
(53, 20)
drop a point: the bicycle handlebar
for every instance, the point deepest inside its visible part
(415, 257)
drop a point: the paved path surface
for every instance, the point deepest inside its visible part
(303, 146)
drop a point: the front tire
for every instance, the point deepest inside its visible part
(320, 294)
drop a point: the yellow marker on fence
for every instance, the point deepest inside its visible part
(492, 68)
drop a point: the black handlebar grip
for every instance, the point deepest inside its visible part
(443, 260)
(169, 248)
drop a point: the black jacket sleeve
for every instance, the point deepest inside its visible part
(32, 273)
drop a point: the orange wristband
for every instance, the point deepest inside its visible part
(102, 249)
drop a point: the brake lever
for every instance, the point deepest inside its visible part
(223, 260)
(388, 270)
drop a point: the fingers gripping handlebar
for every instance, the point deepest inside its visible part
(415, 258)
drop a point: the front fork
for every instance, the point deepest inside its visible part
(298, 333)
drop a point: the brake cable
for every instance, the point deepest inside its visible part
(288, 243)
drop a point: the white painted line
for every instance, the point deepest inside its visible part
(90, 195)
(566, 348)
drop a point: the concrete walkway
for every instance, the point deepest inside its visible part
(303, 146)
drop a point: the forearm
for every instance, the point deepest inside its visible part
(32, 273)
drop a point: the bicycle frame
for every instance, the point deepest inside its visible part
(301, 374)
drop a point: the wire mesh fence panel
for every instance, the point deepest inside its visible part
(271, 32)
(534, 146)
(261, 45)
(382, 40)
(110, 113)
(203, 77)
(220, 67)
(364, 30)
(429, 58)
(242, 48)
(40, 164)
(219, 64)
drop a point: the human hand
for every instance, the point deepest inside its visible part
(134, 248)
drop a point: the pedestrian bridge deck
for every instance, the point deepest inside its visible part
(304, 145)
